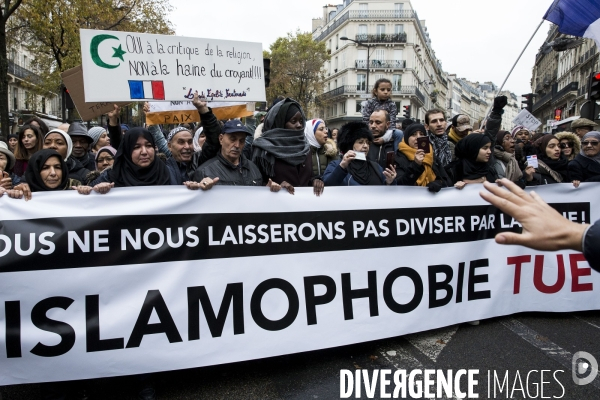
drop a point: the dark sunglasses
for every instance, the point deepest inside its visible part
(587, 143)
(568, 145)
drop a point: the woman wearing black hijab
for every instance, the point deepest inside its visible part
(552, 165)
(354, 169)
(47, 171)
(282, 152)
(474, 161)
(136, 163)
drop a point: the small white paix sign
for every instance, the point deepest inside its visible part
(526, 119)
(125, 66)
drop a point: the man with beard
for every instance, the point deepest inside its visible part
(435, 123)
(384, 139)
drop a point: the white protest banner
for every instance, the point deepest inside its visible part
(125, 66)
(115, 284)
(177, 112)
(526, 119)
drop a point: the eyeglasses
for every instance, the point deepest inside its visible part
(566, 145)
(105, 159)
(588, 143)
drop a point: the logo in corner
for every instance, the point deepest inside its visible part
(118, 51)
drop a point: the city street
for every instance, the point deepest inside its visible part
(517, 344)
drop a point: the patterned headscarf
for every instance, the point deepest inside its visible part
(310, 129)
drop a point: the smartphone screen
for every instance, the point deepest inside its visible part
(390, 159)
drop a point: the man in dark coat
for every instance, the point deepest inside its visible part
(230, 166)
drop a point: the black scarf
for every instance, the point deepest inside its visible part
(34, 167)
(559, 166)
(125, 173)
(276, 142)
(467, 150)
(365, 172)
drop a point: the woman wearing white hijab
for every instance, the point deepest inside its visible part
(323, 149)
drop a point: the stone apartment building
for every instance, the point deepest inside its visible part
(21, 77)
(560, 79)
(388, 40)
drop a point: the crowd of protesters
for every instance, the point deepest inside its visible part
(287, 150)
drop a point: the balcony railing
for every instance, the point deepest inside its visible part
(571, 87)
(361, 89)
(395, 64)
(371, 14)
(22, 73)
(381, 14)
(543, 100)
(381, 38)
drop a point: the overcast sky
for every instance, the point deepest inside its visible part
(475, 39)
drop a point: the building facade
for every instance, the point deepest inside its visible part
(387, 41)
(21, 80)
(560, 80)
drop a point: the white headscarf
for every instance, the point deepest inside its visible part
(67, 139)
(197, 147)
(309, 131)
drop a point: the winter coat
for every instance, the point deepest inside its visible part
(336, 176)
(378, 153)
(407, 172)
(591, 246)
(77, 170)
(322, 157)
(573, 138)
(584, 169)
(246, 173)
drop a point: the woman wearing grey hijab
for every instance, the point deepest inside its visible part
(282, 153)
(585, 167)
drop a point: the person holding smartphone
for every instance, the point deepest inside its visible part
(416, 164)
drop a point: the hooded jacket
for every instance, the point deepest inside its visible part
(576, 142)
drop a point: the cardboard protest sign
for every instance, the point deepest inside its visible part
(73, 80)
(526, 119)
(125, 66)
(177, 112)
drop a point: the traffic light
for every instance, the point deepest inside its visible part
(406, 112)
(594, 92)
(68, 100)
(528, 102)
(557, 114)
(267, 71)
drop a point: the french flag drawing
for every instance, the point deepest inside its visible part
(147, 90)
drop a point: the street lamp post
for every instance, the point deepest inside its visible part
(368, 46)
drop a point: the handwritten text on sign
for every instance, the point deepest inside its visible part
(526, 119)
(124, 66)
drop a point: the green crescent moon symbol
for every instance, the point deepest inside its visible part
(96, 40)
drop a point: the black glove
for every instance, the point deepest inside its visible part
(499, 103)
(435, 186)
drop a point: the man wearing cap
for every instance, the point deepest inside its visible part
(460, 128)
(81, 145)
(583, 126)
(230, 166)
